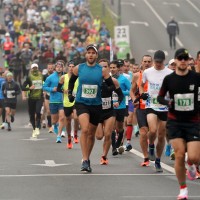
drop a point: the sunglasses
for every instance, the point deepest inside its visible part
(183, 57)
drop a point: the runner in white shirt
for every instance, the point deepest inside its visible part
(156, 113)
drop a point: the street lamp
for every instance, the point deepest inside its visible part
(119, 12)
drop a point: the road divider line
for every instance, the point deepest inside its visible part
(195, 7)
(164, 166)
(83, 174)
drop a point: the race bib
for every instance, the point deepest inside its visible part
(106, 103)
(9, 94)
(184, 102)
(37, 84)
(154, 101)
(89, 91)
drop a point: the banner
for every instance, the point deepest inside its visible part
(122, 41)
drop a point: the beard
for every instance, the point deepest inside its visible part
(91, 61)
(182, 69)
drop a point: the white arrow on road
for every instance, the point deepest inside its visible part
(153, 51)
(51, 163)
(189, 23)
(127, 3)
(137, 22)
(173, 4)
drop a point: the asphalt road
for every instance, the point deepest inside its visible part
(42, 169)
(147, 20)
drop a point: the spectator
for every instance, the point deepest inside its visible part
(172, 30)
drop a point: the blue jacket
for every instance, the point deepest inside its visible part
(51, 82)
(2, 81)
(125, 86)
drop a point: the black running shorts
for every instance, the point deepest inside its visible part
(187, 131)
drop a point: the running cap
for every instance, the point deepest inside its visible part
(120, 63)
(7, 34)
(34, 65)
(159, 56)
(181, 52)
(9, 74)
(91, 46)
(171, 61)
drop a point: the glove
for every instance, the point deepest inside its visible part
(137, 99)
(71, 98)
(144, 96)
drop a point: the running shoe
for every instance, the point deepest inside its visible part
(34, 135)
(9, 128)
(85, 167)
(151, 155)
(76, 141)
(137, 134)
(121, 150)
(191, 172)
(63, 134)
(37, 131)
(69, 145)
(145, 163)
(55, 129)
(158, 167)
(50, 130)
(12, 118)
(198, 172)
(2, 126)
(172, 155)
(128, 147)
(58, 139)
(44, 124)
(114, 152)
(168, 150)
(104, 160)
(183, 195)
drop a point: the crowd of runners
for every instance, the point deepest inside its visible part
(58, 59)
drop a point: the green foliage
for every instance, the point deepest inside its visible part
(96, 8)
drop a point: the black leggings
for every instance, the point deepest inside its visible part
(34, 107)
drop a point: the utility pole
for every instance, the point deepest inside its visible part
(119, 12)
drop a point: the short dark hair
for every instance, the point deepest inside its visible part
(198, 53)
(147, 55)
(104, 60)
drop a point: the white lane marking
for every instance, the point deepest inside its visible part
(51, 163)
(82, 174)
(171, 4)
(155, 197)
(164, 166)
(195, 7)
(34, 139)
(189, 23)
(138, 22)
(161, 20)
(127, 4)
